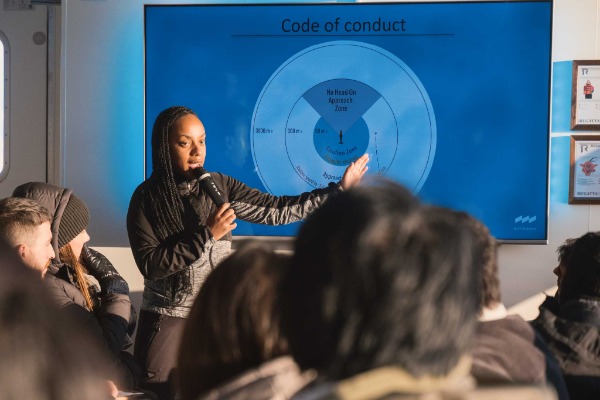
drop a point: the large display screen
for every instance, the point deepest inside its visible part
(450, 99)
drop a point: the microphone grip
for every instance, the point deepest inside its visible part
(207, 183)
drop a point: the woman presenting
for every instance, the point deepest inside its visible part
(178, 235)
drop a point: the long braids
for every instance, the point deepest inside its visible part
(162, 198)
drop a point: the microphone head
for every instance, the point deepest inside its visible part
(208, 185)
(199, 171)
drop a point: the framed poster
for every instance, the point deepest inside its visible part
(584, 178)
(585, 101)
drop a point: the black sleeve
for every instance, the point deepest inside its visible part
(554, 375)
(157, 259)
(255, 206)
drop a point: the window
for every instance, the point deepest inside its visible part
(4, 62)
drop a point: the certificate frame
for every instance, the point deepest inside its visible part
(584, 176)
(585, 102)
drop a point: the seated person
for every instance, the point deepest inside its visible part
(505, 345)
(381, 299)
(106, 311)
(569, 322)
(232, 347)
(43, 356)
(25, 235)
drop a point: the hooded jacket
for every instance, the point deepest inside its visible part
(53, 198)
(109, 323)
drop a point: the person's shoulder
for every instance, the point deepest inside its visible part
(530, 392)
(58, 290)
(327, 391)
(138, 194)
(143, 186)
(278, 378)
(227, 182)
(62, 292)
(57, 275)
(512, 323)
(221, 177)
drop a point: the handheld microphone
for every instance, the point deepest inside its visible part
(207, 183)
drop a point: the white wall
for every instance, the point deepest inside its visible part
(26, 102)
(102, 95)
(102, 115)
(525, 270)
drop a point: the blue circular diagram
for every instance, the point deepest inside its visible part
(329, 104)
(339, 147)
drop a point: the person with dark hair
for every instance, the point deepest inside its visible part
(232, 346)
(105, 312)
(569, 322)
(381, 299)
(43, 354)
(178, 235)
(505, 348)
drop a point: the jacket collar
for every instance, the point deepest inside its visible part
(581, 310)
(62, 271)
(379, 382)
(493, 313)
(188, 187)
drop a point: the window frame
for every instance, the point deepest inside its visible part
(5, 165)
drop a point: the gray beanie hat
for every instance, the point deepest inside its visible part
(73, 221)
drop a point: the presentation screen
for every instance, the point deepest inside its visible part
(449, 99)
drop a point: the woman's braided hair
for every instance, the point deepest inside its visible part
(162, 197)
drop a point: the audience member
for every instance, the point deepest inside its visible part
(232, 347)
(381, 298)
(43, 356)
(570, 321)
(107, 312)
(25, 235)
(505, 345)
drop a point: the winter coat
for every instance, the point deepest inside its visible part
(113, 319)
(391, 383)
(505, 352)
(572, 331)
(194, 249)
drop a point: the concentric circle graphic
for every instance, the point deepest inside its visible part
(330, 103)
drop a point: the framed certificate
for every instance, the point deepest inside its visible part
(585, 99)
(584, 178)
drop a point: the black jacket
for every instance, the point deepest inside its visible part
(108, 324)
(156, 259)
(572, 331)
(113, 318)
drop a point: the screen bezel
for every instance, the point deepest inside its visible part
(284, 242)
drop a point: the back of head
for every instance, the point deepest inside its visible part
(42, 355)
(582, 265)
(234, 323)
(486, 247)
(377, 280)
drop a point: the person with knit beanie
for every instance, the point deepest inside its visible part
(105, 311)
